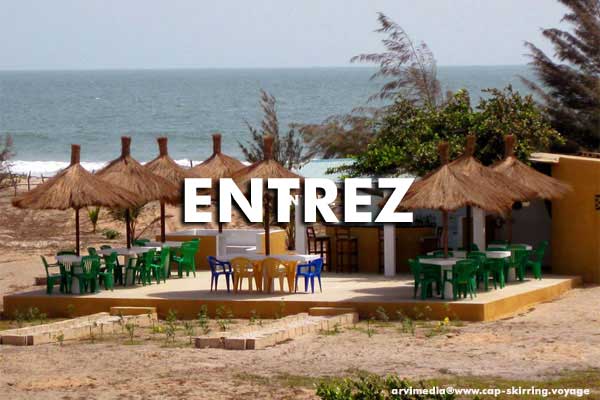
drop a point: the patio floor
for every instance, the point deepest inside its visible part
(363, 292)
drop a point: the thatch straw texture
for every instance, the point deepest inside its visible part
(75, 187)
(164, 166)
(266, 168)
(543, 186)
(126, 172)
(218, 165)
(468, 165)
(447, 189)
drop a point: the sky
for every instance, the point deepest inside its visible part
(131, 34)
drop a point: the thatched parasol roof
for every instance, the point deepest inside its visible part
(218, 165)
(128, 173)
(544, 186)
(164, 166)
(468, 165)
(447, 189)
(265, 169)
(75, 187)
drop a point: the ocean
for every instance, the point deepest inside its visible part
(46, 111)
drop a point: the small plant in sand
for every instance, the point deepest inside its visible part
(203, 319)
(171, 325)
(253, 317)
(93, 215)
(70, 311)
(439, 328)
(189, 329)
(331, 331)
(130, 328)
(223, 317)
(382, 314)
(280, 313)
(19, 318)
(370, 330)
(60, 338)
(92, 334)
(110, 234)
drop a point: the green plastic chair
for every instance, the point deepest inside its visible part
(422, 279)
(135, 265)
(105, 246)
(88, 276)
(108, 276)
(92, 251)
(518, 261)
(535, 264)
(463, 279)
(146, 267)
(483, 273)
(52, 279)
(440, 253)
(496, 268)
(159, 268)
(186, 261)
(497, 247)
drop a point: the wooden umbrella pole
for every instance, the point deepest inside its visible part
(162, 221)
(267, 227)
(77, 231)
(509, 226)
(469, 228)
(128, 228)
(445, 232)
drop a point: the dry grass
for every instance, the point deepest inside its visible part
(126, 172)
(75, 187)
(164, 166)
(545, 187)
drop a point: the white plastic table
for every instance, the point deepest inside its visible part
(446, 264)
(127, 253)
(70, 262)
(302, 258)
(172, 245)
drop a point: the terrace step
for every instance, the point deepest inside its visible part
(72, 329)
(329, 311)
(254, 337)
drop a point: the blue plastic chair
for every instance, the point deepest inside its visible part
(309, 271)
(219, 268)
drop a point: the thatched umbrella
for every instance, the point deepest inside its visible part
(164, 166)
(468, 165)
(541, 186)
(125, 172)
(265, 169)
(217, 166)
(75, 187)
(447, 189)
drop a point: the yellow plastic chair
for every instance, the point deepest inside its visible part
(243, 268)
(274, 268)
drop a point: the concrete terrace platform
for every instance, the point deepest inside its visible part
(364, 293)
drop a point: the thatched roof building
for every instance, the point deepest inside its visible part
(164, 166)
(127, 173)
(543, 186)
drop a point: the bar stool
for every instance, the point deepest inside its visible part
(319, 244)
(346, 250)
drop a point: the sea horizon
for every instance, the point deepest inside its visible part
(47, 110)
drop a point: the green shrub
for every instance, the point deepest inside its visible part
(110, 234)
(372, 387)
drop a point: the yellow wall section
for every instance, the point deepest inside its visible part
(575, 221)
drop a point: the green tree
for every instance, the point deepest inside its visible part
(5, 154)
(288, 149)
(408, 135)
(570, 88)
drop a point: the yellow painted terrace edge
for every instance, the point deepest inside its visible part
(70, 306)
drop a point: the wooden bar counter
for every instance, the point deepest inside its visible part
(370, 244)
